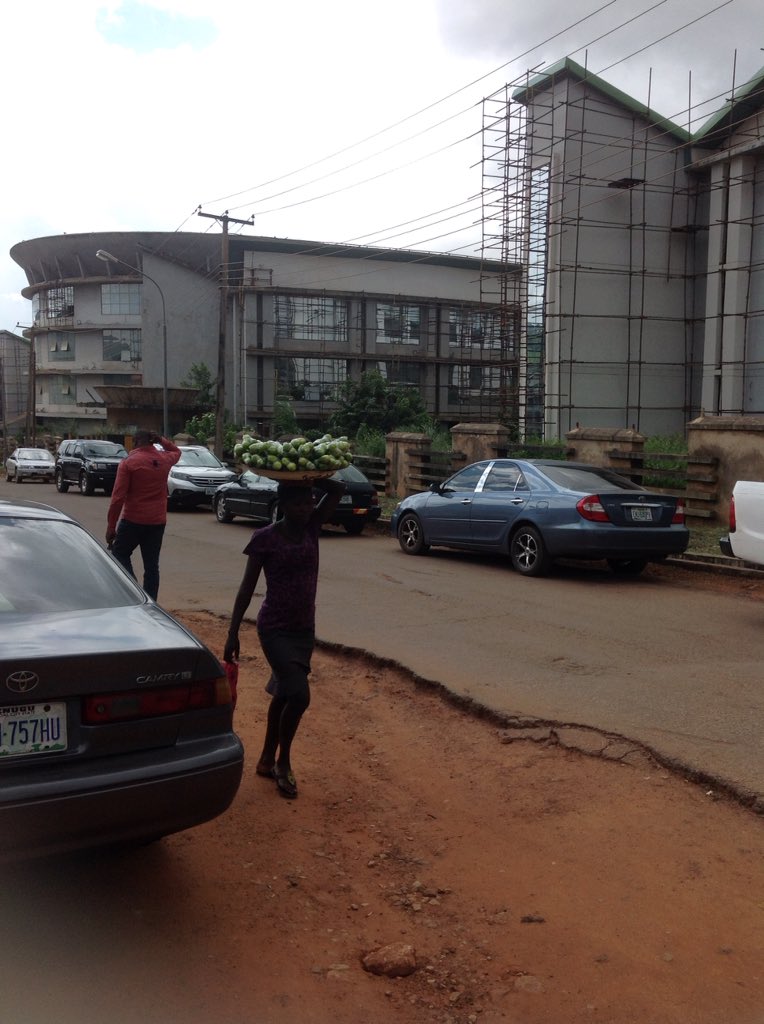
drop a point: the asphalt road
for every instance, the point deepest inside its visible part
(674, 666)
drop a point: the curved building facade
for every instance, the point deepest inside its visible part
(283, 318)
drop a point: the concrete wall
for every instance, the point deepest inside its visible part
(738, 443)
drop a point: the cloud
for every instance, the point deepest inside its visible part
(131, 115)
(142, 28)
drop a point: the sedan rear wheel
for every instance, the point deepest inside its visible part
(355, 528)
(61, 485)
(411, 535)
(221, 511)
(528, 553)
(627, 566)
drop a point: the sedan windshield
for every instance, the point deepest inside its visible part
(35, 455)
(50, 566)
(199, 457)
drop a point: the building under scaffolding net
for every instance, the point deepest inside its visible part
(15, 386)
(642, 295)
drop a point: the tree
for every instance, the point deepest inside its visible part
(200, 377)
(376, 404)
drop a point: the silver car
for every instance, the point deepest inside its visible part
(30, 464)
(115, 721)
(195, 477)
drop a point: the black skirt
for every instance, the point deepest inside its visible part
(288, 655)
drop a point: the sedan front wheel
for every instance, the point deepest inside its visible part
(528, 553)
(411, 535)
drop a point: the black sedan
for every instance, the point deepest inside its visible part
(255, 497)
(536, 510)
(115, 721)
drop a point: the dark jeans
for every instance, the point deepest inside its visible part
(146, 536)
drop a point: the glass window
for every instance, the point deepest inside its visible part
(474, 380)
(398, 324)
(467, 479)
(121, 299)
(467, 327)
(53, 305)
(310, 380)
(122, 346)
(199, 457)
(401, 374)
(60, 347)
(310, 318)
(103, 449)
(588, 480)
(53, 567)
(62, 390)
(504, 477)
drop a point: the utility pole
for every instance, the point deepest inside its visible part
(225, 220)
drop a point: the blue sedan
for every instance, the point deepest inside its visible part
(537, 510)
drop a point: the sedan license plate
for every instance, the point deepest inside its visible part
(641, 515)
(210, 490)
(346, 499)
(32, 729)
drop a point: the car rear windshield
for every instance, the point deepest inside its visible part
(589, 480)
(49, 566)
(351, 474)
(199, 457)
(104, 449)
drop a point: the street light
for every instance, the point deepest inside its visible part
(107, 257)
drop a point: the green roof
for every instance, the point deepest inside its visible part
(568, 67)
(744, 101)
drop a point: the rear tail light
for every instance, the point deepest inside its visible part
(733, 520)
(678, 516)
(591, 508)
(100, 709)
(374, 500)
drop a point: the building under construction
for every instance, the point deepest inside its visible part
(642, 244)
(16, 374)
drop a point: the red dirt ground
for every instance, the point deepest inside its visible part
(536, 885)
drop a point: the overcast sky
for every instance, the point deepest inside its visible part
(328, 120)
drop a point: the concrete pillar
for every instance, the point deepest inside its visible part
(737, 273)
(401, 448)
(477, 441)
(595, 445)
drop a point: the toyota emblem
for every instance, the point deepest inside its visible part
(22, 682)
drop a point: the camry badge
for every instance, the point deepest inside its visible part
(22, 682)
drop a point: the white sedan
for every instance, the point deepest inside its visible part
(30, 464)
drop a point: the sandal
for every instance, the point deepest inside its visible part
(286, 782)
(264, 769)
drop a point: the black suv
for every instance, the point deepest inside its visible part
(89, 464)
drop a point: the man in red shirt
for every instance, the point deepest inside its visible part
(140, 496)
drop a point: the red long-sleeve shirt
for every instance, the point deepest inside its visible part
(140, 490)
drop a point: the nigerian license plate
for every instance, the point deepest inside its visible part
(642, 515)
(32, 728)
(346, 499)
